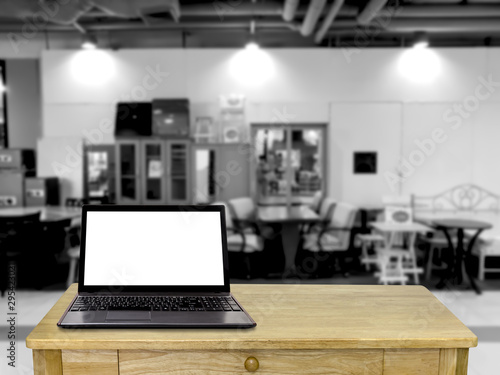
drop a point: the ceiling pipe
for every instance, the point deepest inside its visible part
(312, 16)
(334, 11)
(370, 11)
(433, 25)
(443, 11)
(289, 9)
(243, 25)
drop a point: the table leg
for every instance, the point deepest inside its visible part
(459, 256)
(448, 275)
(290, 236)
(462, 259)
(467, 261)
(47, 362)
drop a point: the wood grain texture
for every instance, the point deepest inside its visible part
(47, 362)
(289, 317)
(79, 362)
(448, 362)
(462, 361)
(214, 362)
(411, 362)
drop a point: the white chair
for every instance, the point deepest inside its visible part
(369, 240)
(239, 241)
(335, 235)
(244, 212)
(315, 204)
(484, 249)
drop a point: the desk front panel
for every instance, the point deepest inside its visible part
(214, 362)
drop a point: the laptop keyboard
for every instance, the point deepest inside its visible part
(155, 303)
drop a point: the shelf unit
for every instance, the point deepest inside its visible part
(153, 171)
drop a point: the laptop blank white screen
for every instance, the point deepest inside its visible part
(153, 248)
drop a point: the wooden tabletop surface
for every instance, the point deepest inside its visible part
(461, 224)
(393, 227)
(289, 317)
(281, 214)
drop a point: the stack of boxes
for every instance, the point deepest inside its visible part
(18, 185)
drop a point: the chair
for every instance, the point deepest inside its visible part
(242, 242)
(316, 201)
(73, 237)
(436, 245)
(19, 235)
(325, 210)
(334, 236)
(243, 212)
(369, 240)
(484, 249)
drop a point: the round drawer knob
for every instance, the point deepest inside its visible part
(252, 364)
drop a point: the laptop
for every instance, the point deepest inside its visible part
(154, 266)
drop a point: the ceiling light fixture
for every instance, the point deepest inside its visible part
(89, 42)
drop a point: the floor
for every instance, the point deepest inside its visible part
(481, 313)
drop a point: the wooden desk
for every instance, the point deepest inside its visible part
(301, 329)
(290, 218)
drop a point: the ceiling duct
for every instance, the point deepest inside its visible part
(289, 9)
(334, 11)
(139, 8)
(68, 12)
(45, 11)
(370, 11)
(312, 16)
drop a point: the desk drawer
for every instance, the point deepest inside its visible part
(212, 362)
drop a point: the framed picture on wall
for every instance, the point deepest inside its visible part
(365, 162)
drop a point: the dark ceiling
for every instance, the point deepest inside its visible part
(287, 23)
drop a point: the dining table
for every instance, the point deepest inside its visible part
(461, 254)
(47, 213)
(290, 218)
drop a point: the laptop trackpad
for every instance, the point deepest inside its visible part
(128, 315)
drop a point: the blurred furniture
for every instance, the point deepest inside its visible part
(406, 255)
(15, 166)
(461, 255)
(41, 191)
(304, 329)
(47, 213)
(243, 211)
(240, 241)
(331, 235)
(99, 167)
(221, 171)
(316, 201)
(153, 171)
(290, 218)
(18, 236)
(470, 202)
(369, 241)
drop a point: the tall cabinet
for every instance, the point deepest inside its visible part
(153, 171)
(221, 172)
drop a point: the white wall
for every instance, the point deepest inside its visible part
(368, 103)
